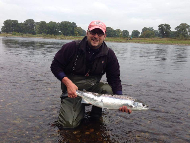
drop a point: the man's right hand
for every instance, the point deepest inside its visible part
(71, 87)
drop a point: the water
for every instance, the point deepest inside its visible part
(158, 75)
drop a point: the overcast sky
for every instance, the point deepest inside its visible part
(119, 14)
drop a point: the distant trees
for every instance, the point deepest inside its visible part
(164, 30)
(52, 28)
(125, 33)
(118, 33)
(157, 33)
(79, 31)
(173, 34)
(183, 31)
(67, 28)
(135, 34)
(41, 27)
(31, 27)
(110, 32)
(147, 32)
(10, 26)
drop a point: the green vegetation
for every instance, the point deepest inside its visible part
(164, 30)
(170, 41)
(69, 30)
(45, 36)
(29, 26)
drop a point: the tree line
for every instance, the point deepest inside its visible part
(29, 26)
(67, 28)
(164, 31)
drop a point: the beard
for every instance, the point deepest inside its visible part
(94, 43)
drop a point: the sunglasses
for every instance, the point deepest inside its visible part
(93, 32)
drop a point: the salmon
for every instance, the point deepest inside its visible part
(111, 101)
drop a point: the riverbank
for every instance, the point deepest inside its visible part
(169, 41)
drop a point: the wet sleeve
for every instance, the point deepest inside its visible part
(61, 60)
(113, 73)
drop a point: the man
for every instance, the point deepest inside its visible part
(80, 65)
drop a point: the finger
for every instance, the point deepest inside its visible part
(129, 111)
(75, 94)
(126, 110)
(70, 95)
(123, 109)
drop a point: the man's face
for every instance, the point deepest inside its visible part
(95, 38)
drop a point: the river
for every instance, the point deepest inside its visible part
(158, 75)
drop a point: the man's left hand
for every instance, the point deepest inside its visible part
(125, 109)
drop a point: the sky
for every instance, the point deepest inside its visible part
(118, 14)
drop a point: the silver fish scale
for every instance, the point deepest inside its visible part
(111, 101)
(114, 96)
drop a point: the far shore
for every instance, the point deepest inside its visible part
(167, 41)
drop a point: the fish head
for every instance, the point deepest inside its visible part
(140, 106)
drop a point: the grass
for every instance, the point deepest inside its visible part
(170, 41)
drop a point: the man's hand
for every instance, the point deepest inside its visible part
(125, 109)
(71, 87)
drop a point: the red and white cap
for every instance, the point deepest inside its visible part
(97, 24)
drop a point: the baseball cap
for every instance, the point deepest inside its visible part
(97, 24)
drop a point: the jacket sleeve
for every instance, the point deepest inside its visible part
(113, 73)
(61, 60)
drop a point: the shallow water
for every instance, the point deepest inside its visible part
(158, 75)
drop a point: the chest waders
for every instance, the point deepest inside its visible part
(72, 111)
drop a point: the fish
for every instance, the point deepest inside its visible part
(111, 101)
